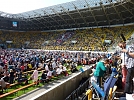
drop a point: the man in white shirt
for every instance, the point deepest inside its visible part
(58, 70)
(53, 64)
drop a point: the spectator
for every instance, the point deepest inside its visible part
(21, 77)
(73, 67)
(49, 75)
(100, 70)
(34, 76)
(43, 77)
(6, 76)
(58, 70)
(64, 70)
(129, 61)
(11, 76)
(22, 67)
(3, 83)
(54, 72)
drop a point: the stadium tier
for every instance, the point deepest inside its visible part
(94, 39)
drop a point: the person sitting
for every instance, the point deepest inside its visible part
(6, 76)
(44, 77)
(21, 78)
(58, 71)
(3, 84)
(49, 75)
(73, 67)
(54, 72)
(34, 76)
(64, 70)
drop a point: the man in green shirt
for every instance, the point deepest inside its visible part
(100, 70)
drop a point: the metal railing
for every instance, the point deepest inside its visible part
(75, 95)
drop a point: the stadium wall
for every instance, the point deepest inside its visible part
(63, 89)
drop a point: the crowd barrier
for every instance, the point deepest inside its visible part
(79, 91)
(65, 88)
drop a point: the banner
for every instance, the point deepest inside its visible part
(9, 41)
(74, 41)
(108, 41)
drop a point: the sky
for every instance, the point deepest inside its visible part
(19, 6)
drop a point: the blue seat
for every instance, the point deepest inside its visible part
(109, 83)
(99, 90)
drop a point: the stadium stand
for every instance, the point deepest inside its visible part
(61, 40)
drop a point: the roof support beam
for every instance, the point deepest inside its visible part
(44, 25)
(59, 15)
(26, 19)
(80, 14)
(116, 11)
(68, 14)
(90, 10)
(51, 17)
(105, 13)
(127, 9)
(46, 20)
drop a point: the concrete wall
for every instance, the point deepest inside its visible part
(62, 90)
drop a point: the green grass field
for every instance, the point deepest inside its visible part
(21, 92)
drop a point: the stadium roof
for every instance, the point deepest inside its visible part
(76, 14)
(80, 4)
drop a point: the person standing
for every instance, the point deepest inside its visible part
(11, 76)
(34, 76)
(129, 63)
(100, 70)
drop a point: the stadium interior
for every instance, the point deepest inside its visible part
(80, 25)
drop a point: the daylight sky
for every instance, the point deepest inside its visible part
(18, 6)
